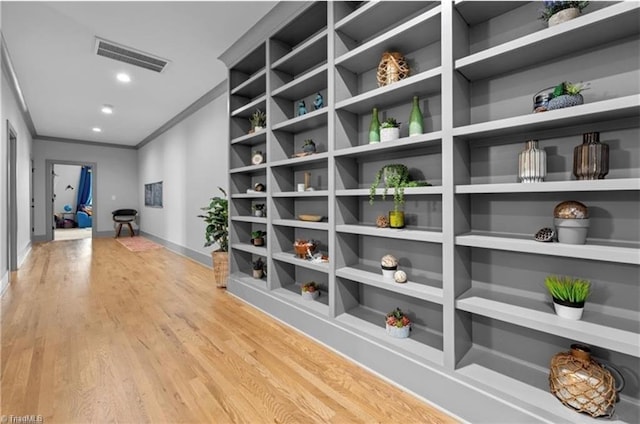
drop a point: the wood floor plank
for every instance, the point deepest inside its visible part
(92, 332)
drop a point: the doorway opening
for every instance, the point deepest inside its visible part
(12, 207)
(71, 188)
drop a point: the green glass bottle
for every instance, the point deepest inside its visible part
(374, 127)
(415, 120)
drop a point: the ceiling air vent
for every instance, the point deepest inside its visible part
(128, 55)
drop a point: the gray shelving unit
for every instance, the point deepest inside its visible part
(485, 329)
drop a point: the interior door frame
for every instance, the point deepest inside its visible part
(12, 207)
(49, 164)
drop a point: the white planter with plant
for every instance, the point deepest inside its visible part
(258, 268)
(569, 295)
(310, 291)
(389, 130)
(258, 121)
(397, 324)
(557, 12)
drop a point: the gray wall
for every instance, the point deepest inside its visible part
(191, 161)
(12, 112)
(117, 178)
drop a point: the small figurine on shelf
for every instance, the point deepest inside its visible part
(302, 108)
(318, 103)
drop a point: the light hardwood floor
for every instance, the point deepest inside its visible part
(94, 333)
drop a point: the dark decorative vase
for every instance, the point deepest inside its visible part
(532, 163)
(374, 127)
(591, 158)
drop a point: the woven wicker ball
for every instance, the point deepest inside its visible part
(393, 67)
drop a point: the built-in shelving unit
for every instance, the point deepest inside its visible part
(484, 326)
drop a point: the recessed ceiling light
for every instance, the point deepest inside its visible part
(107, 109)
(96, 129)
(122, 77)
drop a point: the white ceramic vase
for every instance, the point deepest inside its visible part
(388, 273)
(311, 295)
(388, 134)
(398, 332)
(568, 312)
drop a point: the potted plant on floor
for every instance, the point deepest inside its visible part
(395, 176)
(258, 268)
(569, 295)
(398, 324)
(310, 290)
(216, 217)
(389, 130)
(257, 237)
(556, 12)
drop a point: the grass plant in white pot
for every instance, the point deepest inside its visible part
(569, 295)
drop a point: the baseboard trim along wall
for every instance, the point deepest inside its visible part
(181, 250)
(23, 255)
(4, 283)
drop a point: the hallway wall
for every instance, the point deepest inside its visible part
(11, 111)
(116, 176)
(191, 161)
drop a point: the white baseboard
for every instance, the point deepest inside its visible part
(24, 254)
(4, 283)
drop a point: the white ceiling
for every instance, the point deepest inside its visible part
(51, 45)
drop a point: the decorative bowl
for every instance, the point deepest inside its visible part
(304, 247)
(312, 218)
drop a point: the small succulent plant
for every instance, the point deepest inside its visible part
(310, 287)
(390, 123)
(258, 119)
(397, 318)
(258, 265)
(258, 234)
(567, 87)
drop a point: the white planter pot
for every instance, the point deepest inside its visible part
(257, 128)
(388, 274)
(257, 213)
(257, 273)
(568, 312)
(399, 333)
(388, 134)
(564, 15)
(310, 295)
(571, 231)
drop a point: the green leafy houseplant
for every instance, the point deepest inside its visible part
(395, 176)
(217, 219)
(568, 88)
(258, 119)
(553, 7)
(568, 289)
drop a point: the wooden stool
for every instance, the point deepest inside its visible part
(124, 216)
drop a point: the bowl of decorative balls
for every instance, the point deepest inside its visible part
(398, 324)
(310, 291)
